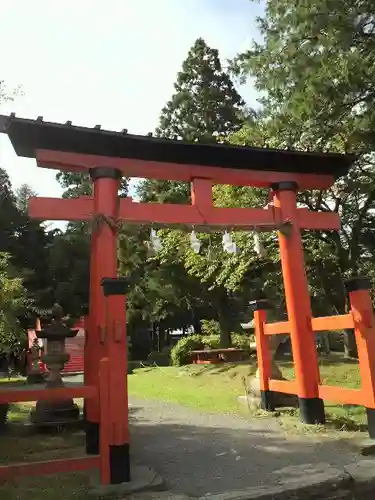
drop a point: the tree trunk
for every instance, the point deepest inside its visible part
(350, 344)
(161, 337)
(167, 337)
(225, 328)
(197, 325)
(326, 343)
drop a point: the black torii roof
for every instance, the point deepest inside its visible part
(28, 135)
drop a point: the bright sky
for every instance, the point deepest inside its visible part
(109, 62)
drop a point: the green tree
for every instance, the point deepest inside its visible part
(13, 302)
(205, 106)
(26, 241)
(78, 184)
(23, 194)
(10, 217)
(68, 268)
(315, 72)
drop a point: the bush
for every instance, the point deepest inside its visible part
(241, 341)
(180, 352)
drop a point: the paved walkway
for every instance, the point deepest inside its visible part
(198, 453)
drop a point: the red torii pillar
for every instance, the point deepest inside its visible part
(103, 264)
(298, 305)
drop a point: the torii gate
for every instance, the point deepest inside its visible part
(107, 156)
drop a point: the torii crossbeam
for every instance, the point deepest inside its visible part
(108, 156)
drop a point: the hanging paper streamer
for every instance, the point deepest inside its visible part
(155, 241)
(194, 242)
(259, 247)
(229, 245)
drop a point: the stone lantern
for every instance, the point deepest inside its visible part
(55, 412)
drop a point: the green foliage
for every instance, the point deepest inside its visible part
(316, 68)
(210, 327)
(205, 105)
(26, 241)
(68, 268)
(12, 304)
(23, 194)
(180, 352)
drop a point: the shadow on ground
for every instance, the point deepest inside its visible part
(199, 454)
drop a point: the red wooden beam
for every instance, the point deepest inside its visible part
(278, 328)
(74, 162)
(174, 214)
(344, 395)
(320, 324)
(318, 220)
(332, 323)
(53, 467)
(287, 386)
(21, 395)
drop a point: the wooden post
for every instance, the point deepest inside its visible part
(103, 264)
(116, 343)
(263, 354)
(364, 321)
(298, 306)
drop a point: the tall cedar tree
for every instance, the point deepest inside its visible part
(26, 242)
(205, 107)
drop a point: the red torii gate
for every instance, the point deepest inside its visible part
(107, 156)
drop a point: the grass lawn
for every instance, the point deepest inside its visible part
(215, 388)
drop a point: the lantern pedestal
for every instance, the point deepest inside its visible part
(55, 413)
(61, 412)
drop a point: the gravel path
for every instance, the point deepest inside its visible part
(199, 453)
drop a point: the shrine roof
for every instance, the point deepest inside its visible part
(28, 135)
